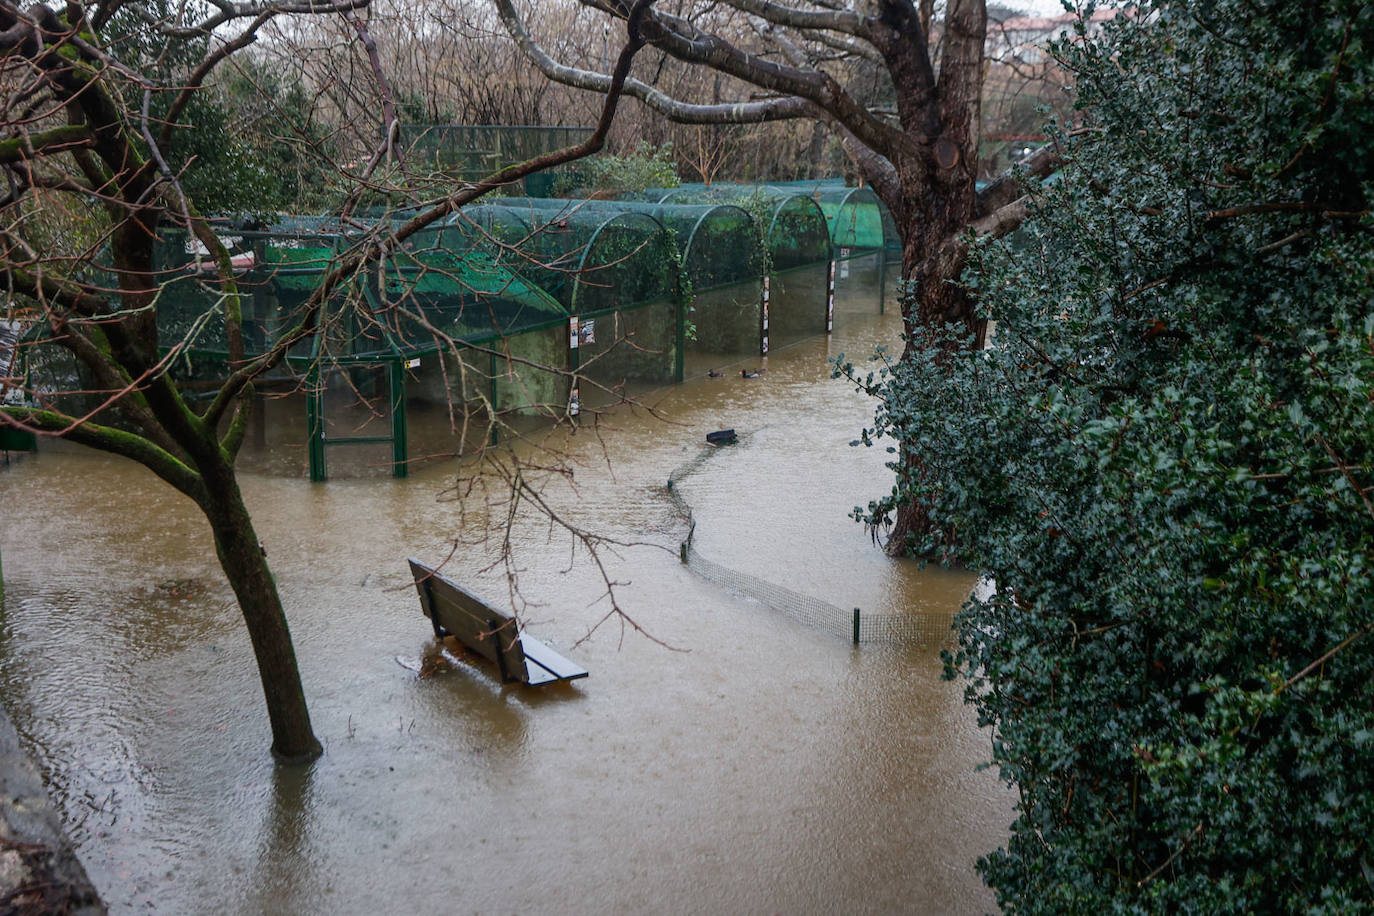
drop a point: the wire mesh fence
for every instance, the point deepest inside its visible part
(848, 623)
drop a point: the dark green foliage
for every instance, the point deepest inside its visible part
(1164, 468)
(220, 167)
(245, 143)
(645, 166)
(274, 128)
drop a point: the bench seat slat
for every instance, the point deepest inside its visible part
(538, 655)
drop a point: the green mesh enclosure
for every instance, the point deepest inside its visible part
(472, 151)
(451, 283)
(798, 246)
(448, 289)
(715, 242)
(721, 261)
(857, 217)
(858, 238)
(617, 269)
(588, 259)
(276, 270)
(852, 215)
(625, 353)
(796, 229)
(445, 284)
(799, 294)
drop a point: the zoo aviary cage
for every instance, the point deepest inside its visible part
(617, 273)
(472, 151)
(427, 324)
(823, 188)
(722, 265)
(797, 298)
(858, 239)
(436, 320)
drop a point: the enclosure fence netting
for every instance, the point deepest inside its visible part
(850, 623)
(722, 271)
(473, 151)
(508, 313)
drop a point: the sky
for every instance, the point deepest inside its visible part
(1036, 7)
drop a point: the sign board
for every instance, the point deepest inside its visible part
(11, 391)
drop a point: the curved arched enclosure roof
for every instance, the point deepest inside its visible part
(460, 284)
(589, 260)
(716, 242)
(796, 228)
(853, 215)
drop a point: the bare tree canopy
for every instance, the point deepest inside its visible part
(902, 89)
(96, 100)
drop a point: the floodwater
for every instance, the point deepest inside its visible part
(735, 762)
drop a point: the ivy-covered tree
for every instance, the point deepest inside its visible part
(1164, 466)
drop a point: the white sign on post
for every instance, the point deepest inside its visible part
(10, 332)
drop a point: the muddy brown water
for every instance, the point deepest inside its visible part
(754, 766)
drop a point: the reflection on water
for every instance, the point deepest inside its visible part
(754, 766)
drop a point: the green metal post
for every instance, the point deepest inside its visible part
(314, 421)
(400, 455)
(856, 626)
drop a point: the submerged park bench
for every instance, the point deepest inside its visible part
(455, 611)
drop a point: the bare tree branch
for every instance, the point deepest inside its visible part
(1007, 187)
(674, 109)
(350, 263)
(835, 20)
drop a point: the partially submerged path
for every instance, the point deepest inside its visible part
(39, 873)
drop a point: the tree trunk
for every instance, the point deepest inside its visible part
(245, 564)
(933, 298)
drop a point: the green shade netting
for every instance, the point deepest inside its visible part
(853, 215)
(796, 228)
(589, 260)
(439, 284)
(716, 242)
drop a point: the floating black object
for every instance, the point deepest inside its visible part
(721, 437)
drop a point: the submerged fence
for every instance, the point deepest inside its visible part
(853, 623)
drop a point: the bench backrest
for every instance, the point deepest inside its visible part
(471, 621)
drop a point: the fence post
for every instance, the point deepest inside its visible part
(314, 420)
(400, 437)
(856, 626)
